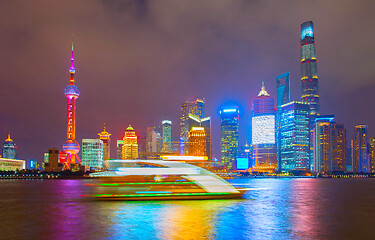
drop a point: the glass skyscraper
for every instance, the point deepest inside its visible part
(9, 148)
(309, 75)
(229, 135)
(167, 138)
(196, 121)
(295, 134)
(360, 158)
(263, 132)
(92, 153)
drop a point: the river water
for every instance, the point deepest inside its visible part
(302, 208)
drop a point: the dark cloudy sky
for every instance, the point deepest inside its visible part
(137, 61)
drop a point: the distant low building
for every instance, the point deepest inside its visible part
(92, 153)
(7, 164)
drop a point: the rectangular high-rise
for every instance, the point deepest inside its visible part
(229, 135)
(92, 153)
(295, 134)
(360, 159)
(196, 121)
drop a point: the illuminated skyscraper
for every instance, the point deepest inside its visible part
(130, 144)
(372, 154)
(167, 138)
(322, 143)
(229, 135)
(105, 137)
(71, 147)
(153, 140)
(339, 149)
(9, 149)
(263, 132)
(295, 134)
(197, 139)
(196, 108)
(120, 143)
(92, 153)
(309, 76)
(360, 158)
(196, 121)
(283, 97)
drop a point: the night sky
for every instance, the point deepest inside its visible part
(137, 61)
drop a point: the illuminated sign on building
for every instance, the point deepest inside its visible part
(242, 163)
(263, 129)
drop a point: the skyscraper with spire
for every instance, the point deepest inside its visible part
(309, 76)
(263, 132)
(71, 146)
(9, 149)
(106, 138)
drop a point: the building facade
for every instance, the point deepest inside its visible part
(195, 107)
(120, 143)
(106, 139)
(92, 153)
(9, 148)
(372, 155)
(53, 163)
(229, 135)
(295, 134)
(130, 144)
(263, 132)
(309, 75)
(360, 159)
(197, 139)
(167, 136)
(196, 121)
(7, 164)
(338, 133)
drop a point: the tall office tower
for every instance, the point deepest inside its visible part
(360, 159)
(283, 97)
(338, 133)
(196, 108)
(120, 143)
(92, 153)
(152, 140)
(105, 137)
(295, 134)
(9, 148)
(372, 154)
(197, 139)
(263, 132)
(130, 144)
(71, 147)
(229, 135)
(167, 138)
(196, 121)
(309, 77)
(322, 144)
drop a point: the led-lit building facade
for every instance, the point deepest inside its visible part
(263, 132)
(167, 136)
(197, 139)
(92, 153)
(196, 108)
(338, 133)
(71, 147)
(372, 154)
(295, 134)
(229, 135)
(360, 159)
(322, 144)
(106, 139)
(9, 148)
(309, 75)
(196, 121)
(119, 149)
(7, 164)
(283, 97)
(130, 144)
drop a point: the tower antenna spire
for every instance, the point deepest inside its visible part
(72, 70)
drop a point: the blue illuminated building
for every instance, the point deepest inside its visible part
(295, 134)
(9, 148)
(229, 135)
(309, 76)
(283, 97)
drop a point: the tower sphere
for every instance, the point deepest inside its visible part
(71, 91)
(71, 146)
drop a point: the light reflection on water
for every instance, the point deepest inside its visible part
(273, 209)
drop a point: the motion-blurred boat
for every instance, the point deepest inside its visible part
(159, 180)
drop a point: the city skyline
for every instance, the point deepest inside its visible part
(113, 101)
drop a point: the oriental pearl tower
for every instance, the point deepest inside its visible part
(71, 147)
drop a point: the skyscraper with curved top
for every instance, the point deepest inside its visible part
(309, 75)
